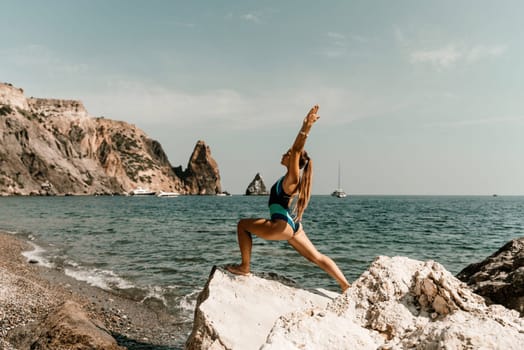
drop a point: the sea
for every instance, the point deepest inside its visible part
(163, 249)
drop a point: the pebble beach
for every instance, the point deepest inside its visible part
(29, 292)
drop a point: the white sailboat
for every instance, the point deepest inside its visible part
(339, 192)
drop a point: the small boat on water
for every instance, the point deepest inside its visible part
(224, 194)
(167, 194)
(339, 192)
(142, 192)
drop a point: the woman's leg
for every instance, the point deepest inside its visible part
(303, 245)
(267, 229)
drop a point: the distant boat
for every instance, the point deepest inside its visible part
(339, 192)
(142, 192)
(168, 194)
(224, 194)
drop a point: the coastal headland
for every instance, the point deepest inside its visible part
(55, 147)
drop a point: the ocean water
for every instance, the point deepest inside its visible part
(162, 249)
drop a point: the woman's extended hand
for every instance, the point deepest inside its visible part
(312, 116)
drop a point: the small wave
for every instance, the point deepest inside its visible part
(157, 293)
(104, 279)
(188, 301)
(36, 255)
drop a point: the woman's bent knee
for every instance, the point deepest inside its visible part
(242, 224)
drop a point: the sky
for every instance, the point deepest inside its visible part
(416, 97)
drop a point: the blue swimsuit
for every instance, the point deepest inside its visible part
(279, 205)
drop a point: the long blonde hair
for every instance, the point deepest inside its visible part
(304, 188)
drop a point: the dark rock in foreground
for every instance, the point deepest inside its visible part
(500, 277)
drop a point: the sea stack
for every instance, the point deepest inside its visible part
(257, 187)
(202, 175)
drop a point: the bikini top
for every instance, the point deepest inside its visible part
(279, 205)
(278, 196)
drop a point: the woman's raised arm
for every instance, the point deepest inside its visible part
(300, 140)
(293, 176)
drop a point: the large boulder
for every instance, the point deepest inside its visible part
(68, 327)
(397, 303)
(237, 312)
(500, 277)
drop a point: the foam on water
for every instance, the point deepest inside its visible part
(188, 301)
(37, 254)
(104, 279)
(155, 292)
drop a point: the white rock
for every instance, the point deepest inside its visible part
(322, 330)
(237, 312)
(397, 303)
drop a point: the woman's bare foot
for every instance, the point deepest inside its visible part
(238, 270)
(346, 287)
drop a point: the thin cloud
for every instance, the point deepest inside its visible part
(443, 57)
(135, 102)
(42, 58)
(475, 122)
(340, 45)
(337, 36)
(251, 17)
(336, 45)
(480, 52)
(400, 38)
(184, 24)
(359, 38)
(451, 55)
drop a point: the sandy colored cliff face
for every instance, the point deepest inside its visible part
(50, 146)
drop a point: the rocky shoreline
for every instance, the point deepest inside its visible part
(398, 303)
(32, 297)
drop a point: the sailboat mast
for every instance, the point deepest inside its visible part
(339, 175)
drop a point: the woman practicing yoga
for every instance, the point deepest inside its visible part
(285, 221)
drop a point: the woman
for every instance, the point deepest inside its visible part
(285, 222)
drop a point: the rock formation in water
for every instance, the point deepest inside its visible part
(500, 277)
(50, 146)
(201, 176)
(398, 303)
(257, 187)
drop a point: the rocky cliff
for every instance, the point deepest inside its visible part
(51, 146)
